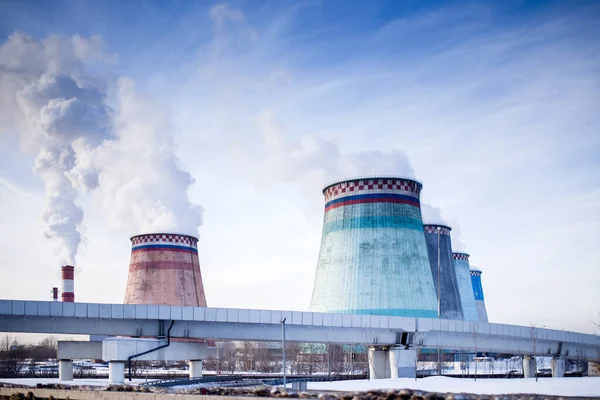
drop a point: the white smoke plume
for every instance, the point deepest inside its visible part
(47, 96)
(458, 245)
(61, 113)
(313, 158)
(141, 186)
(432, 215)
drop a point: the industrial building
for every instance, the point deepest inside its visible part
(465, 286)
(373, 257)
(439, 248)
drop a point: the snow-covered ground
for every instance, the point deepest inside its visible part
(548, 386)
(589, 386)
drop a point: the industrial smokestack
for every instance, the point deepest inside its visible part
(165, 270)
(373, 257)
(465, 287)
(478, 293)
(68, 285)
(54, 294)
(439, 247)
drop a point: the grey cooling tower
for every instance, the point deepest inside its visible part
(478, 292)
(465, 287)
(439, 247)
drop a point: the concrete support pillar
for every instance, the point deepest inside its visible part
(65, 370)
(195, 368)
(402, 362)
(379, 365)
(116, 372)
(558, 367)
(529, 367)
(299, 385)
(593, 368)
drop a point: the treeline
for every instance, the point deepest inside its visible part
(301, 358)
(229, 357)
(17, 360)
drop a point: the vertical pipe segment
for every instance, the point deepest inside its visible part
(283, 345)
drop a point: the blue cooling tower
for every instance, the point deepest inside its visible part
(373, 257)
(465, 287)
(439, 245)
(478, 291)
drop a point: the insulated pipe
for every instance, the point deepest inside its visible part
(151, 350)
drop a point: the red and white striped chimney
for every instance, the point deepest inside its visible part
(54, 294)
(68, 287)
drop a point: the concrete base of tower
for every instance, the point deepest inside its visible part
(195, 368)
(593, 368)
(65, 370)
(558, 367)
(529, 367)
(116, 372)
(402, 362)
(379, 363)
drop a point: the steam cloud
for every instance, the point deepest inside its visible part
(62, 115)
(432, 215)
(311, 159)
(141, 185)
(314, 158)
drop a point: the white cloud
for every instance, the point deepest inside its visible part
(499, 126)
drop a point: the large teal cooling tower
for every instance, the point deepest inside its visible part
(439, 247)
(465, 287)
(373, 257)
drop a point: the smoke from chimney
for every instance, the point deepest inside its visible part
(61, 112)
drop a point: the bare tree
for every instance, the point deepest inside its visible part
(50, 342)
(13, 360)
(6, 342)
(293, 351)
(474, 336)
(416, 360)
(533, 336)
(596, 323)
(464, 364)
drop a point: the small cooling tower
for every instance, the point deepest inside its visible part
(68, 284)
(465, 287)
(478, 293)
(439, 247)
(373, 257)
(165, 270)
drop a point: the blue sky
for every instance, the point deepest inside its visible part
(493, 105)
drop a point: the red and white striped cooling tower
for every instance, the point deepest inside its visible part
(165, 270)
(68, 286)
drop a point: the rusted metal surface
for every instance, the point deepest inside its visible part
(165, 270)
